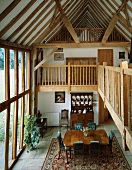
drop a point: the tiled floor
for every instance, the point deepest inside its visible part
(34, 160)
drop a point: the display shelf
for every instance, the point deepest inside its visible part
(81, 102)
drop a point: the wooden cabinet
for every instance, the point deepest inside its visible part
(81, 102)
(81, 118)
(81, 109)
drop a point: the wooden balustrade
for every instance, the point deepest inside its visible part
(128, 96)
(54, 75)
(115, 88)
(79, 75)
(101, 69)
(87, 35)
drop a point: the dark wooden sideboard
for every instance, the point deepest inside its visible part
(81, 109)
(81, 118)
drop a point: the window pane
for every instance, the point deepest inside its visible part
(26, 66)
(20, 70)
(11, 73)
(2, 74)
(11, 131)
(2, 138)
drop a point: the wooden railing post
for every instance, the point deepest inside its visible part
(69, 87)
(124, 113)
(104, 84)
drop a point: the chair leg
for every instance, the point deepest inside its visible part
(66, 156)
(59, 154)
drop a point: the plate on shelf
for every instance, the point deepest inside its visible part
(90, 103)
(82, 97)
(86, 97)
(78, 97)
(90, 97)
(73, 97)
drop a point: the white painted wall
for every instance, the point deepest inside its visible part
(86, 52)
(46, 101)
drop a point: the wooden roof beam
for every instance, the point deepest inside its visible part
(83, 45)
(8, 9)
(127, 16)
(67, 22)
(54, 17)
(45, 59)
(113, 22)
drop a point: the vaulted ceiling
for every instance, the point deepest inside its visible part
(42, 21)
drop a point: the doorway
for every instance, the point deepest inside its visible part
(105, 55)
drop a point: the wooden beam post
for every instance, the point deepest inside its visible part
(7, 97)
(124, 114)
(69, 87)
(45, 58)
(22, 102)
(15, 116)
(67, 22)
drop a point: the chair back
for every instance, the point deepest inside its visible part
(59, 137)
(94, 148)
(78, 147)
(111, 136)
(64, 114)
(92, 126)
(78, 126)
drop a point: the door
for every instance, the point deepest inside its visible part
(105, 55)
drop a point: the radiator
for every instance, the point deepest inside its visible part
(52, 118)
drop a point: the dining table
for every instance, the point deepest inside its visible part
(72, 136)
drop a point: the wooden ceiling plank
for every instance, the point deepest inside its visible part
(113, 22)
(8, 9)
(45, 59)
(26, 21)
(67, 22)
(33, 23)
(15, 19)
(98, 13)
(76, 12)
(121, 20)
(121, 31)
(127, 16)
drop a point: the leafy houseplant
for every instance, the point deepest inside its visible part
(32, 134)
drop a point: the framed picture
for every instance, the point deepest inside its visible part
(59, 97)
(58, 56)
(121, 55)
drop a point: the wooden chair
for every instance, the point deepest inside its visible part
(111, 137)
(92, 126)
(64, 118)
(78, 149)
(94, 150)
(78, 126)
(61, 145)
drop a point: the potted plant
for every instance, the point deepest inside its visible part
(32, 133)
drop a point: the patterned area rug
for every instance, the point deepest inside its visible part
(115, 162)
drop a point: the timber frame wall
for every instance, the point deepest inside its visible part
(115, 89)
(23, 97)
(114, 85)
